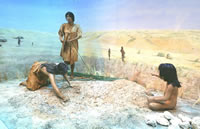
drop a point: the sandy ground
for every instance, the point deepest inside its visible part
(116, 104)
(144, 45)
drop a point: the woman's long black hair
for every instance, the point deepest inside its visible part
(168, 73)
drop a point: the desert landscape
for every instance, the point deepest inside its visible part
(106, 97)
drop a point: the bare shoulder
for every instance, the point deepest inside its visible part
(64, 24)
(77, 25)
(172, 88)
(44, 69)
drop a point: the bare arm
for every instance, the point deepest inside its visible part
(61, 39)
(152, 74)
(76, 38)
(136, 79)
(56, 89)
(66, 78)
(53, 83)
(61, 33)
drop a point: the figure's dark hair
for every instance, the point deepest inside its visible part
(70, 15)
(168, 73)
(62, 67)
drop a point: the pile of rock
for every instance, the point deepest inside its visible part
(2, 41)
(173, 122)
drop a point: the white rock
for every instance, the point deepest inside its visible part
(175, 121)
(184, 118)
(185, 125)
(2, 125)
(196, 123)
(162, 121)
(150, 120)
(176, 126)
(168, 115)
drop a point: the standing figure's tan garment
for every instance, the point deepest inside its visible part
(69, 51)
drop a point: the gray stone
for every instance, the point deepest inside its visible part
(184, 118)
(162, 121)
(196, 123)
(168, 115)
(185, 125)
(3, 40)
(150, 120)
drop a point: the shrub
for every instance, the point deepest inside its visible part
(160, 54)
(168, 56)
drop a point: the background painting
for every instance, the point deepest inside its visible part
(151, 32)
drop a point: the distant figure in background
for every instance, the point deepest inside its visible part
(32, 43)
(109, 53)
(19, 41)
(69, 33)
(41, 72)
(122, 53)
(168, 101)
(0, 45)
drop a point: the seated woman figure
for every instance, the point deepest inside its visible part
(168, 101)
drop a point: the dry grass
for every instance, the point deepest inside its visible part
(5, 77)
(160, 54)
(169, 56)
(26, 71)
(18, 75)
(198, 86)
(197, 60)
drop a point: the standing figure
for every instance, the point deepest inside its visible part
(122, 53)
(69, 33)
(109, 53)
(19, 41)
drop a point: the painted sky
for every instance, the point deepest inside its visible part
(98, 15)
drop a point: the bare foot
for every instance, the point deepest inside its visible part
(72, 77)
(22, 84)
(69, 86)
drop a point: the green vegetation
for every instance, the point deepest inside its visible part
(88, 77)
(168, 56)
(160, 54)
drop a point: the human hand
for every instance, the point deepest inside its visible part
(69, 40)
(61, 41)
(65, 98)
(156, 75)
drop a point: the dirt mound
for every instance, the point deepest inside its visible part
(92, 104)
